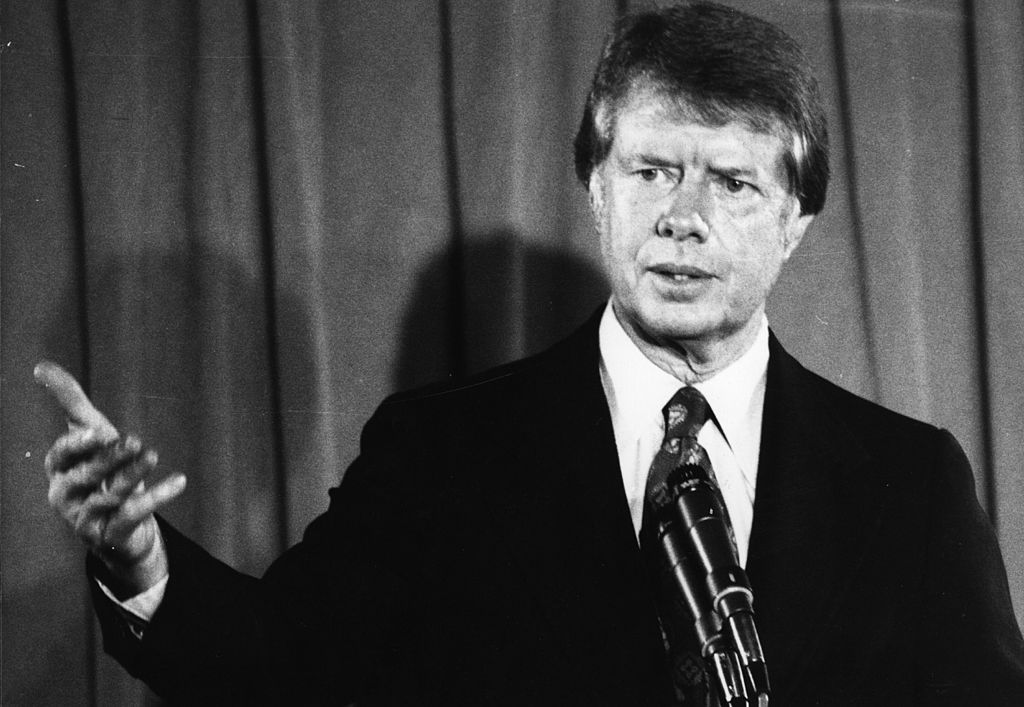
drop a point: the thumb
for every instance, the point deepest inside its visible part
(70, 396)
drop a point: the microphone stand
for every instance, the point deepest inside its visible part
(705, 567)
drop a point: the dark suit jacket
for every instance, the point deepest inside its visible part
(480, 551)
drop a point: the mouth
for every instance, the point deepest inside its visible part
(680, 273)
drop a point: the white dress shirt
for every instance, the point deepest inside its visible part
(637, 390)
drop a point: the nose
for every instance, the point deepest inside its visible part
(682, 217)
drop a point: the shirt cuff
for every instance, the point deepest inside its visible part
(138, 610)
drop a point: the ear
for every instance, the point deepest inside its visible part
(794, 232)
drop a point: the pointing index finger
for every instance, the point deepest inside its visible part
(70, 396)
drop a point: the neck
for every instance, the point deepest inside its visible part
(695, 360)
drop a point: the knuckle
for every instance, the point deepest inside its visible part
(55, 496)
(89, 528)
(129, 510)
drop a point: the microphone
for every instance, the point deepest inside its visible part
(703, 519)
(716, 648)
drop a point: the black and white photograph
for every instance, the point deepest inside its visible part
(385, 353)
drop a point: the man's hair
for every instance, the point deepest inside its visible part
(724, 65)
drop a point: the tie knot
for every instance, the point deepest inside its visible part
(685, 413)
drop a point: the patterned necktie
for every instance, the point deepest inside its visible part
(685, 414)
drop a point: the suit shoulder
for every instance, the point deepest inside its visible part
(536, 372)
(446, 422)
(458, 387)
(863, 416)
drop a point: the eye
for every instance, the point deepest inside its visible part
(734, 186)
(665, 176)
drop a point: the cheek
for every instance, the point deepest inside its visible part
(765, 265)
(620, 231)
(756, 249)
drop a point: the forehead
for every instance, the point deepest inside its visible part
(651, 121)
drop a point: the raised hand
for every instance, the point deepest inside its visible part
(98, 485)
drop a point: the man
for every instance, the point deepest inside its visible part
(483, 548)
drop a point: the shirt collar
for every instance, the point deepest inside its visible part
(640, 389)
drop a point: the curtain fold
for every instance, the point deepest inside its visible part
(245, 222)
(998, 29)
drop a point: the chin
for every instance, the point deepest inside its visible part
(675, 323)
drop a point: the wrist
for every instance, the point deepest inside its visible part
(129, 577)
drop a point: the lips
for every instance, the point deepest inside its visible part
(679, 272)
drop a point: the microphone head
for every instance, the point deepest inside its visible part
(684, 478)
(687, 476)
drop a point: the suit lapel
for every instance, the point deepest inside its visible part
(818, 502)
(567, 524)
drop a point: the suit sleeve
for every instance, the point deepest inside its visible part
(328, 620)
(970, 645)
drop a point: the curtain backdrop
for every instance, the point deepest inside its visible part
(242, 224)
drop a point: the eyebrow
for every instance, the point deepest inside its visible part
(648, 158)
(744, 173)
(735, 171)
(723, 169)
(654, 159)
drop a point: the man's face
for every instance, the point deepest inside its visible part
(695, 222)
